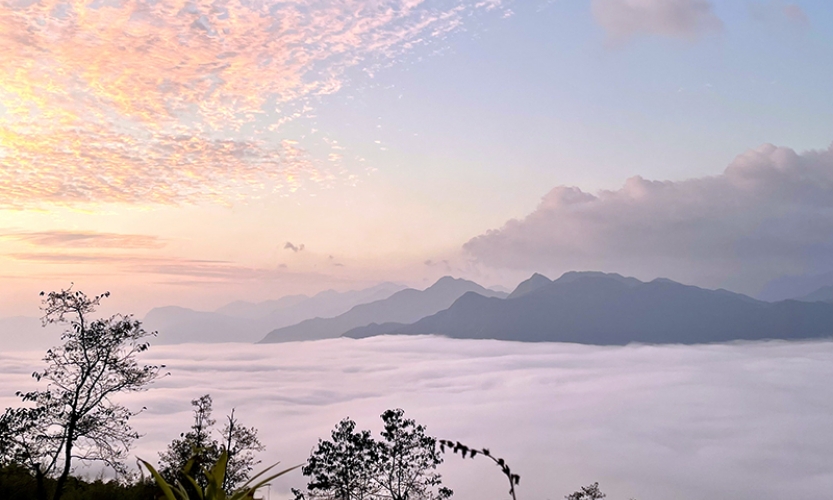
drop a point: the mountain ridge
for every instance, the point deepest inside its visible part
(823, 294)
(243, 321)
(404, 306)
(595, 308)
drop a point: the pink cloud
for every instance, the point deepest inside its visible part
(84, 239)
(168, 101)
(623, 19)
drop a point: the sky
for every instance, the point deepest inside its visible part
(741, 421)
(195, 152)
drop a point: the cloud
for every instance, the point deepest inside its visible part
(78, 258)
(795, 13)
(294, 248)
(181, 101)
(102, 166)
(623, 19)
(84, 239)
(769, 213)
(222, 272)
(195, 271)
(745, 421)
(443, 264)
(69, 258)
(777, 12)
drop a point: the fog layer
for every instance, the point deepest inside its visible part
(744, 421)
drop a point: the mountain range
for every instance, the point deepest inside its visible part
(583, 307)
(404, 306)
(823, 294)
(609, 309)
(248, 322)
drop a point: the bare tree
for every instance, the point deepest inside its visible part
(75, 417)
(240, 443)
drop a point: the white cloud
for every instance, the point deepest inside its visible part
(741, 421)
(622, 19)
(769, 213)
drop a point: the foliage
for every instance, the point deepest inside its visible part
(343, 468)
(514, 479)
(213, 489)
(75, 418)
(195, 446)
(407, 460)
(354, 466)
(196, 449)
(591, 492)
(17, 483)
(240, 443)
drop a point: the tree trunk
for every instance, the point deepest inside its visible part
(40, 488)
(228, 451)
(62, 479)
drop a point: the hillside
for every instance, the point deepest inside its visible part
(405, 306)
(611, 310)
(248, 321)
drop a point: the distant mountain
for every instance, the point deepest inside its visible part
(405, 306)
(628, 281)
(534, 282)
(179, 325)
(823, 294)
(249, 322)
(254, 310)
(794, 287)
(537, 281)
(612, 310)
(294, 308)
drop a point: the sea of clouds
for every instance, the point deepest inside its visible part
(743, 421)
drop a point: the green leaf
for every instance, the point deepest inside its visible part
(194, 485)
(254, 488)
(214, 489)
(160, 481)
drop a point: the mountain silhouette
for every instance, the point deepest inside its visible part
(595, 308)
(794, 287)
(405, 306)
(248, 322)
(254, 310)
(534, 282)
(823, 294)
